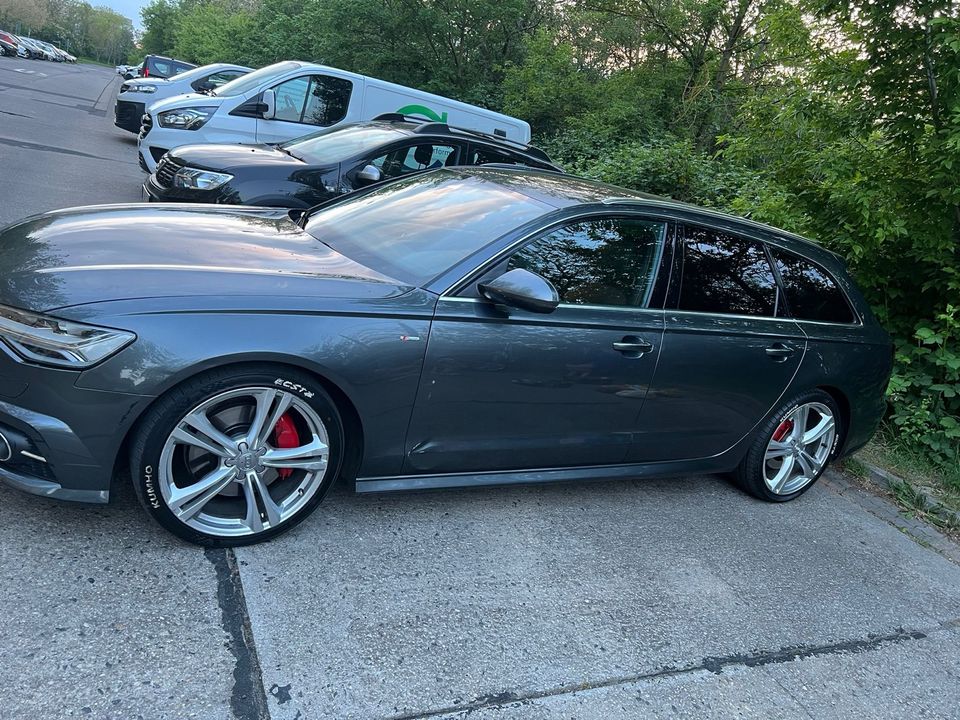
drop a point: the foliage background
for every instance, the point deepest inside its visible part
(73, 25)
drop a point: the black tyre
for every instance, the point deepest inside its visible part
(792, 449)
(237, 456)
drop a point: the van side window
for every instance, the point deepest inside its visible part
(726, 275)
(811, 292)
(327, 101)
(290, 97)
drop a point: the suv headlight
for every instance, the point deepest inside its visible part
(188, 177)
(186, 118)
(61, 343)
(142, 88)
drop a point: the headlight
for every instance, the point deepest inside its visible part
(186, 118)
(143, 88)
(50, 341)
(199, 179)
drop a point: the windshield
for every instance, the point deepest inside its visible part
(193, 73)
(416, 228)
(333, 146)
(246, 83)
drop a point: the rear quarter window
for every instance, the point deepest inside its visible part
(811, 293)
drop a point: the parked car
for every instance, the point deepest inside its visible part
(34, 50)
(315, 168)
(133, 71)
(459, 327)
(67, 57)
(50, 51)
(158, 66)
(9, 44)
(286, 100)
(134, 95)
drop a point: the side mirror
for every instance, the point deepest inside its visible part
(369, 174)
(522, 289)
(269, 103)
(204, 86)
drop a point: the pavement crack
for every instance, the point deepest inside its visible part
(248, 699)
(714, 665)
(50, 148)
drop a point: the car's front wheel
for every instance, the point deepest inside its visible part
(237, 456)
(791, 450)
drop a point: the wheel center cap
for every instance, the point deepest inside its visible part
(247, 461)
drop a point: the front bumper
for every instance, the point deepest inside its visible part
(64, 439)
(128, 115)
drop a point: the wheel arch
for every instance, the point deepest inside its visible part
(843, 403)
(353, 425)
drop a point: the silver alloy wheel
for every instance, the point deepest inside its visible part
(799, 448)
(220, 474)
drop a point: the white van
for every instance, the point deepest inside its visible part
(289, 99)
(136, 94)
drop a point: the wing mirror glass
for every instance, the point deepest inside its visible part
(522, 289)
(269, 104)
(370, 174)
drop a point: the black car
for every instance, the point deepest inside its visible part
(309, 170)
(459, 327)
(8, 44)
(158, 66)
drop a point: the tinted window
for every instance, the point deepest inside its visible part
(424, 156)
(811, 292)
(416, 228)
(724, 274)
(483, 155)
(600, 262)
(289, 99)
(327, 101)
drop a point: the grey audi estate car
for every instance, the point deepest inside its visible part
(466, 326)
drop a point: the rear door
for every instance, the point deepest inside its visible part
(304, 104)
(521, 390)
(726, 358)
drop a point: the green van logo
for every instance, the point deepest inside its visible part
(424, 111)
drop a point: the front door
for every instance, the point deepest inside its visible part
(726, 358)
(504, 390)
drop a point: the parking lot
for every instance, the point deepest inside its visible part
(646, 599)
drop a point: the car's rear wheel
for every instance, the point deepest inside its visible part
(237, 456)
(792, 449)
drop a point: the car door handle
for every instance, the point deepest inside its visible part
(633, 345)
(780, 351)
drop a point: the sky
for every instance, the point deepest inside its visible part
(130, 8)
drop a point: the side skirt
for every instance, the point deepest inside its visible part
(721, 463)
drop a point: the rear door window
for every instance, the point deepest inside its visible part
(724, 274)
(413, 158)
(811, 293)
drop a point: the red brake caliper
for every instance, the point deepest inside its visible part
(783, 429)
(285, 435)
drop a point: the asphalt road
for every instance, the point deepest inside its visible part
(653, 599)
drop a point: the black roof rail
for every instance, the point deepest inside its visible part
(442, 128)
(397, 117)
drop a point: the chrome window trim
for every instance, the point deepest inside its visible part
(570, 306)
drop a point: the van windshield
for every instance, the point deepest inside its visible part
(245, 84)
(333, 146)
